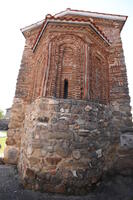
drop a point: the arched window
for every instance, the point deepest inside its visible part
(65, 89)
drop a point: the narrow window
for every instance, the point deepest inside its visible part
(65, 89)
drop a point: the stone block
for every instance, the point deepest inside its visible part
(83, 132)
(63, 152)
(36, 143)
(62, 110)
(29, 150)
(76, 154)
(126, 140)
(11, 154)
(88, 108)
(79, 145)
(59, 135)
(99, 153)
(53, 160)
(34, 161)
(10, 141)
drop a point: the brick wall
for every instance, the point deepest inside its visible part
(65, 54)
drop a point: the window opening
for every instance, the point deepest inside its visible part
(65, 89)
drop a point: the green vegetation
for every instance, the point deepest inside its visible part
(3, 136)
(1, 114)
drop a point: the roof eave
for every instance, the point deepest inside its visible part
(82, 13)
(32, 26)
(92, 14)
(72, 22)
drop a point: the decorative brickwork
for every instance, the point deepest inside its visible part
(71, 115)
(72, 52)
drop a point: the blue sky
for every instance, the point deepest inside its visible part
(18, 14)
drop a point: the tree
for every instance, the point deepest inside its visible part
(1, 114)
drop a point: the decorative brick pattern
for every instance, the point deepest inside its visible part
(66, 54)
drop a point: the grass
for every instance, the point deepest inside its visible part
(3, 136)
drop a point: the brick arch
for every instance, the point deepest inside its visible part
(67, 62)
(68, 68)
(61, 38)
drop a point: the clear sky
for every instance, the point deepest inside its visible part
(16, 14)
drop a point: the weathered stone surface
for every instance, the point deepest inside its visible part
(11, 154)
(76, 154)
(88, 108)
(64, 150)
(126, 140)
(99, 153)
(59, 135)
(53, 160)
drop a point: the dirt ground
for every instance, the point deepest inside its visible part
(118, 187)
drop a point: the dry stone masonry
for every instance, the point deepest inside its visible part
(71, 118)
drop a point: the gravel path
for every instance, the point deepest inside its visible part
(113, 188)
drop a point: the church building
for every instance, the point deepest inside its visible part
(71, 111)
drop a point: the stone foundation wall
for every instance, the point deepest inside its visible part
(67, 145)
(15, 131)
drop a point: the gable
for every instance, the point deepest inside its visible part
(74, 17)
(51, 19)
